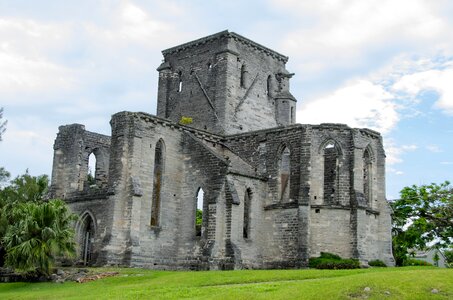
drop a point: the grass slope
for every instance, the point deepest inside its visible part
(385, 283)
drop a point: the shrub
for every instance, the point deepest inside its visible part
(416, 262)
(377, 263)
(332, 261)
(185, 120)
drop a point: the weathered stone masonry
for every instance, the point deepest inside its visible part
(275, 192)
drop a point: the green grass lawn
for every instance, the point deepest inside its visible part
(385, 283)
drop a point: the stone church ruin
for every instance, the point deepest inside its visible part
(271, 193)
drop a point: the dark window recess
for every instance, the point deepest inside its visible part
(157, 183)
(247, 205)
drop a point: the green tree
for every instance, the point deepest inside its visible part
(449, 256)
(4, 176)
(41, 233)
(33, 231)
(198, 221)
(423, 215)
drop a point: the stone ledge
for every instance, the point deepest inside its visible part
(285, 205)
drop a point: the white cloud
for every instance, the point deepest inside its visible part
(434, 148)
(407, 148)
(24, 67)
(21, 75)
(446, 163)
(394, 152)
(436, 80)
(394, 171)
(130, 23)
(359, 103)
(345, 33)
(27, 147)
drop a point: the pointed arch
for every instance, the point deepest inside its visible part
(367, 175)
(269, 85)
(159, 169)
(200, 213)
(330, 142)
(96, 167)
(331, 153)
(284, 173)
(85, 232)
(243, 77)
(92, 168)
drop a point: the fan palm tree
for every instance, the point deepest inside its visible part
(41, 233)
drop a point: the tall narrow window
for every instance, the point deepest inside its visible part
(243, 75)
(180, 82)
(157, 184)
(284, 175)
(269, 85)
(330, 173)
(367, 176)
(91, 175)
(199, 229)
(292, 115)
(247, 204)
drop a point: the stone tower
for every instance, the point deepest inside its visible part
(226, 84)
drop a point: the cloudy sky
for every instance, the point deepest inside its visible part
(384, 64)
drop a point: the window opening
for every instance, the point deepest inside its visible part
(157, 183)
(284, 177)
(330, 173)
(247, 204)
(180, 82)
(91, 175)
(243, 75)
(367, 176)
(199, 229)
(268, 85)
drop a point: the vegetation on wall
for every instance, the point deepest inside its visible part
(185, 120)
(198, 222)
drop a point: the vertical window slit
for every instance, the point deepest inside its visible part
(157, 183)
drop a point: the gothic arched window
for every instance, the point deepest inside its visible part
(269, 85)
(243, 75)
(180, 82)
(159, 162)
(199, 213)
(284, 175)
(331, 169)
(367, 176)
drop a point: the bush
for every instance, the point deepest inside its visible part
(416, 262)
(185, 120)
(332, 261)
(377, 263)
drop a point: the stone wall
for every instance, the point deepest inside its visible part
(72, 149)
(275, 193)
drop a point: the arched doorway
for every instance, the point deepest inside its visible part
(86, 231)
